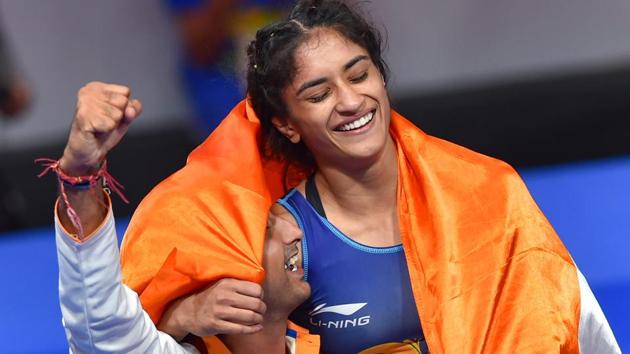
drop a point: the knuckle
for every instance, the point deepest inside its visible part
(253, 317)
(84, 97)
(221, 298)
(96, 126)
(81, 111)
(116, 114)
(244, 330)
(108, 124)
(91, 85)
(84, 113)
(262, 307)
(219, 312)
(82, 93)
(104, 126)
(257, 290)
(211, 325)
(110, 97)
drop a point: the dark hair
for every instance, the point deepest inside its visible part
(272, 66)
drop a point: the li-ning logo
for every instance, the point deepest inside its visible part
(345, 310)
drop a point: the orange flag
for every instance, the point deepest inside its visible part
(206, 221)
(488, 272)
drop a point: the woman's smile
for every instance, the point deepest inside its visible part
(337, 103)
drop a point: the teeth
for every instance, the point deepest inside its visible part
(290, 264)
(358, 123)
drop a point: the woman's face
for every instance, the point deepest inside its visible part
(284, 285)
(337, 103)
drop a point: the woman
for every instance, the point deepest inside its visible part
(428, 239)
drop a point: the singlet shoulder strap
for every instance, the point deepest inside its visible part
(312, 195)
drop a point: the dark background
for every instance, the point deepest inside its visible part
(526, 122)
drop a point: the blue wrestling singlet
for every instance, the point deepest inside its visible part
(361, 299)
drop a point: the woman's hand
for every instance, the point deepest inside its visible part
(229, 306)
(102, 117)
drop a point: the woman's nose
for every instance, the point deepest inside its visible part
(349, 100)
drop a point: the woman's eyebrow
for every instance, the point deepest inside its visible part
(320, 81)
(353, 61)
(310, 84)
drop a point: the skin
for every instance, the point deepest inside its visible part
(235, 307)
(103, 115)
(284, 290)
(336, 83)
(229, 306)
(357, 171)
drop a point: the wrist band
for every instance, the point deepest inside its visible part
(78, 186)
(101, 176)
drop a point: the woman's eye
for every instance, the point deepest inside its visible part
(359, 78)
(319, 98)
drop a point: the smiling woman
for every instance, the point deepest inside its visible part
(282, 261)
(327, 109)
(409, 243)
(389, 212)
(337, 103)
(274, 65)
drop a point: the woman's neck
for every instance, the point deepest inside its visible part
(353, 188)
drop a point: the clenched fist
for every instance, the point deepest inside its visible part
(103, 114)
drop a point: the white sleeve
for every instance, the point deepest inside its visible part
(595, 335)
(100, 313)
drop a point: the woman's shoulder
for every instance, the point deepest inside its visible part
(465, 170)
(443, 155)
(448, 151)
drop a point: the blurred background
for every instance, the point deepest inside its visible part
(543, 85)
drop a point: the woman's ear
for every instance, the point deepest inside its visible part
(285, 128)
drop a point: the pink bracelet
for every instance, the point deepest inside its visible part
(80, 182)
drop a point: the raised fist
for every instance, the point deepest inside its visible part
(103, 114)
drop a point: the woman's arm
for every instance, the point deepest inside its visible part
(100, 314)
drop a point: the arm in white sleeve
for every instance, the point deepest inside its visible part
(101, 314)
(595, 335)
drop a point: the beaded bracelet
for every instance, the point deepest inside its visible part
(106, 180)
